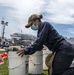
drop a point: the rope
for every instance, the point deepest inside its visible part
(17, 66)
(34, 63)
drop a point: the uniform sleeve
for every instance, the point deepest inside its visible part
(38, 44)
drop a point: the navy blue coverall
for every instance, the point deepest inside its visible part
(49, 37)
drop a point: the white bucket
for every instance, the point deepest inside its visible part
(72, 64)
(45, 54)
(17, 65)
(36, 63)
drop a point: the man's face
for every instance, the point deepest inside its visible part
(37, 22)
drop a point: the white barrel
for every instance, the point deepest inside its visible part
(36, 63)
(45, 54)
(17, 65)
(72, 64)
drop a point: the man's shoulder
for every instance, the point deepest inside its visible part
(46, 24)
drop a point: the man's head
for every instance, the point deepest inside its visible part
(34, 20)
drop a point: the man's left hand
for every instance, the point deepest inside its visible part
(20, 52)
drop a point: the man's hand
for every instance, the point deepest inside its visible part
(20, 52)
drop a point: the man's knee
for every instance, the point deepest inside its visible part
(68, 72)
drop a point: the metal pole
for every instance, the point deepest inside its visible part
(4, 24)
(3, 31)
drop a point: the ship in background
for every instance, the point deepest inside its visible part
(24, 39)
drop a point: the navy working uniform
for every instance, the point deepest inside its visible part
(49, 37)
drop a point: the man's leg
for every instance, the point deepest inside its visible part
(69, 72)
(62, 63)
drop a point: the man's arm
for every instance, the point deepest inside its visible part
(38, 44)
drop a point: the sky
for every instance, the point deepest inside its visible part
(60, 13)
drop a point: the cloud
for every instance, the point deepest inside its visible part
(16, 12)
(70, 30)
(60, 11)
